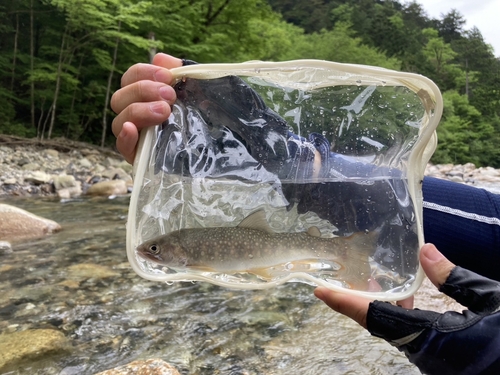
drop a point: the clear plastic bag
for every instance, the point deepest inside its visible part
(296, 171)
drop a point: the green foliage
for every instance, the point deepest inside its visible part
(7, 111)
(212, 30)
(311, 15)
(440, 55)
(60, 64)
(464, 136)
(338, 45)
(458, 60)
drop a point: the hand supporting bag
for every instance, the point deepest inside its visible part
(295, 171)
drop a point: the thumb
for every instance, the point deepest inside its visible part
(435, 265)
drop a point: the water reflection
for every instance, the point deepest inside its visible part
(78, 282)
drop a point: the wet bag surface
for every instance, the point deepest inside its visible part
(299, 171)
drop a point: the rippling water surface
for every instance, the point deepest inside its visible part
(78, 282)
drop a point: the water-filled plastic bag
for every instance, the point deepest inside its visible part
(295, 171)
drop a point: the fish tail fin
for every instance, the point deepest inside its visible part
(357, 267)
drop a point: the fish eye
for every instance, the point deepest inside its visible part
(154, 249)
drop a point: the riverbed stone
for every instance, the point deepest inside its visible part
(488, 174)
(108, 188)
(52, 153)
(37, 177)
(456, 178)
(64, 181)
(10, 181)
(126, 166)
(99, 168)
(30, 345)
(85, 163)
(71, 191)
(90, 270)
(153, 366)
(30, 167)
(18, 225)
(111, 162)
(115, 173)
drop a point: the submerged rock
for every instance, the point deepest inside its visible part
(18, 225)
(88, 270)
(32, 344)
(5, 247)
(143, 367)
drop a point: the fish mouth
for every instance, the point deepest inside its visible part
(145, 256)
(141, 255)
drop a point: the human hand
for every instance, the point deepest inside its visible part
(449, 343)
(143, 100)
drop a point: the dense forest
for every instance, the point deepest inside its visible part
(61, 60)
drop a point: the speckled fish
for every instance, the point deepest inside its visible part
(254, 247)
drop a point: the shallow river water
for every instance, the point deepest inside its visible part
(78, 281)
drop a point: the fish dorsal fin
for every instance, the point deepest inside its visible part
(314, 231)
(256, 220)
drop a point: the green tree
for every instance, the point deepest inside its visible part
(451, 26)
(339, 45)
(311, 16)
(211, 30)
(97, 27)
(464, 136)
(440, 58)
(60, 60)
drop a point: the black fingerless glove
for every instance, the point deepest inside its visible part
(449, 343)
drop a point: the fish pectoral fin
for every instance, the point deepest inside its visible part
(314, 231)
(284, 269)
(263, 273)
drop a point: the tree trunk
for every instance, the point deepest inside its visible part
(45, 121)
(40, 118)
(32, 67)
(467, 77)
(14, 57)
(73, 99)
(152, 50)
(108, 90)
(58, 86)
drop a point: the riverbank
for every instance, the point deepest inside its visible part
(29, 167)
(68, 169)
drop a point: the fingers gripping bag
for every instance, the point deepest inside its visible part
(304, 170)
